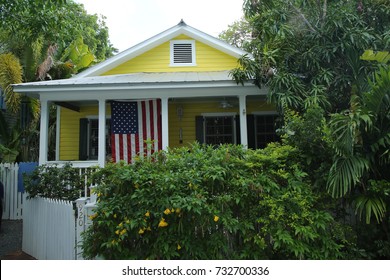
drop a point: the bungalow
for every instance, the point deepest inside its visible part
(171, 89)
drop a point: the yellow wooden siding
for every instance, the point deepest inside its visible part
(70, 130)
(193, 109)
(158, 60)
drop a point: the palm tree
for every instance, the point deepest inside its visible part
(361, 143)
(10, 73)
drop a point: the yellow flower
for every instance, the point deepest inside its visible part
(141, 231)
(123, 231)
(178, 247)
(148, 229)
(147, 214)
(167, 211)
(93, 216)
(114, 216)
(216, 218)
(99, 194)
(178, 210)
(120, 225)
(117, 231)
(162, 223)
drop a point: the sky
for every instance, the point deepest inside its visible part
(132, 21)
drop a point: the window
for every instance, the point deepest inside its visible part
(89, 138)
(265, 130)
(183, 53)
(215, 130)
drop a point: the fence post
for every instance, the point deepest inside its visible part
(80, 225)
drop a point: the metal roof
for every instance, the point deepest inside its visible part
(135, 78)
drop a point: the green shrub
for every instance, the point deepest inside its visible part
(55, 182)
(208, 203)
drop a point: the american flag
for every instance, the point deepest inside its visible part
(132, 123)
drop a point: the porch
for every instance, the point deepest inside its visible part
(184, 98)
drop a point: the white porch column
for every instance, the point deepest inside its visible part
(164, 123)
(102, 133)
(43, 134)
(243, 124)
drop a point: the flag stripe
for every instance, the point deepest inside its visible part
(134, 123)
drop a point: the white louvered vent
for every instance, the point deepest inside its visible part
(183, 53)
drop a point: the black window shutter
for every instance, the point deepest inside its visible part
(199, 120)
(250, 121)
(238, 130)
(83, 143)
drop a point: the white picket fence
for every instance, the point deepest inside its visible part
(13, 199)
(51, 228)
(49, 231)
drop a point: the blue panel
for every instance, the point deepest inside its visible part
(25, 168)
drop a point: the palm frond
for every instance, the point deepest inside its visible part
(10, 73)
(377, 100)
(371, 206)
(345, 173)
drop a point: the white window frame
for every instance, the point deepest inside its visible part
(193, 50)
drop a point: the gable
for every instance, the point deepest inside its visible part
(158, 59)
(147, 50)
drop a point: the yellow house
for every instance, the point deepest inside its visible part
(173, 89)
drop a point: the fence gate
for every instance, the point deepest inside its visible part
(49, 229)
(13, 198)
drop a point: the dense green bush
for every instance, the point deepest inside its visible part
(209, 203)
(55, 182)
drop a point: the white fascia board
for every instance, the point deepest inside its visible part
(172, 91)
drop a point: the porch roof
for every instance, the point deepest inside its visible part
(98, 85)
(134, 78)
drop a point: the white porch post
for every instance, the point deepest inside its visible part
(102, 133)
(243, 124)
(58, 129)
(43, 134)
(164, 123)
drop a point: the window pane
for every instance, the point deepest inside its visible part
(219, 130)
(265, 130)
(93, 145)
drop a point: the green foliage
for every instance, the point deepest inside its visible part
(79, 54)
(57, 22)
(361, 141)
(308, 132)
(238, 34)
(209, 203)
(10, 73)
(315, 48)
(51, 181)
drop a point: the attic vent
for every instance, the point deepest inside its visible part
(183, 53)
